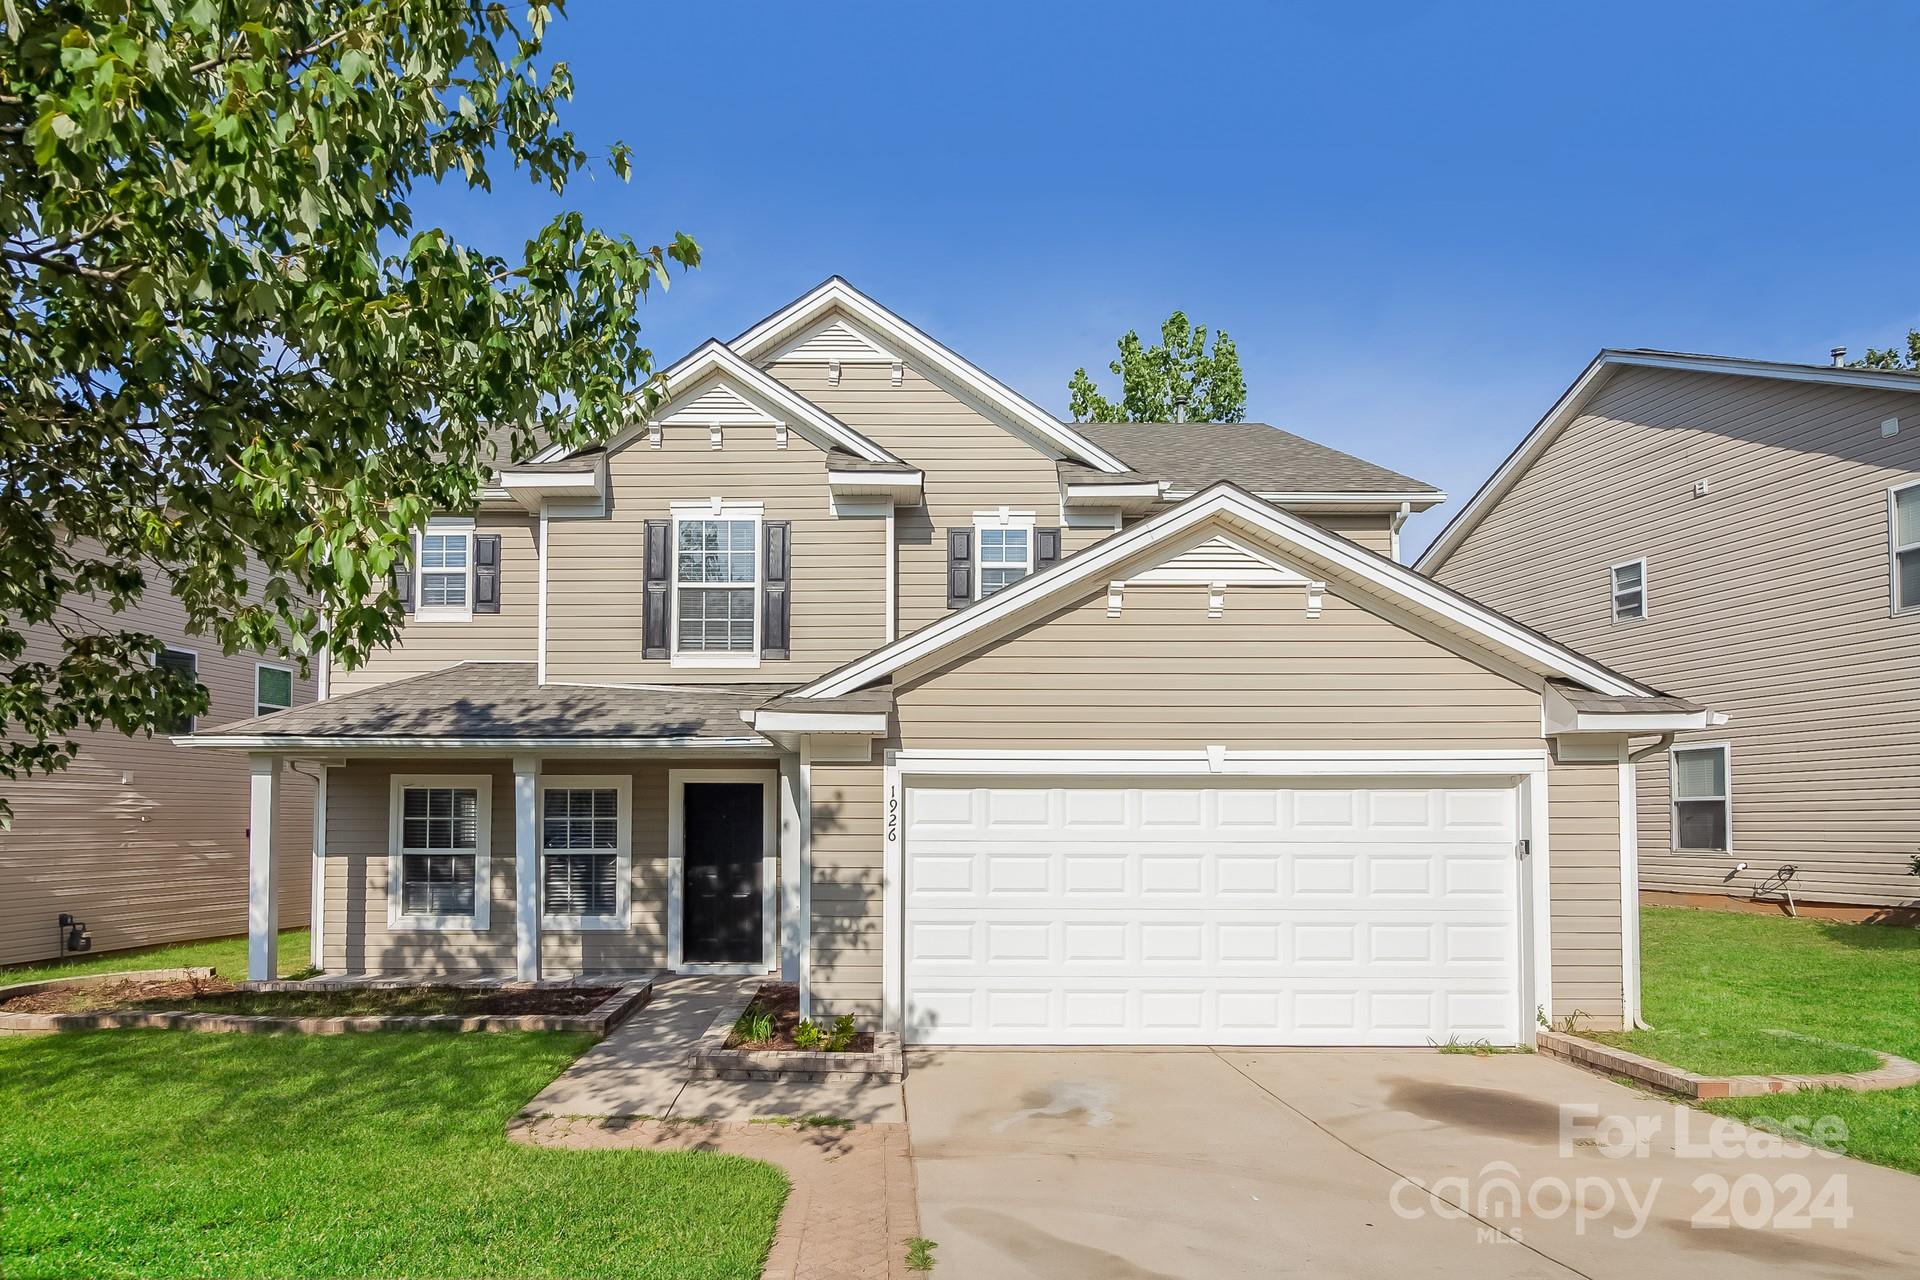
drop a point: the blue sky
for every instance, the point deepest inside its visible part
(1418, 222)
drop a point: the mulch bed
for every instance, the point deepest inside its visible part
(217, 995)
(782, 1000)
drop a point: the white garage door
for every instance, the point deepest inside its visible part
(1078, 913)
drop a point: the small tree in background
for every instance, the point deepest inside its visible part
(221, 333)
(1179, 380)
(1892, 357)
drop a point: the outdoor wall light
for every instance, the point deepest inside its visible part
(74, 935)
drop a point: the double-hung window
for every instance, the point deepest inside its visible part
(446, 571)
(716, 585)
(584, 853)
(439, 849)
(1702, 799)
(272, 688)
(187, 663)
(1005, 551)
(1629, 590)
(1904, 519)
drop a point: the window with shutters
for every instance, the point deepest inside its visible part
(585, 852)
(187, 663)
(444, 586)
(272, 688)
(716, 584)
(438, 852)
(1903, 519)
(1702, 780)
(1003, 552)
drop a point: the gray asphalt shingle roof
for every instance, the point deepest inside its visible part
(1584, 699)
(1253, 455)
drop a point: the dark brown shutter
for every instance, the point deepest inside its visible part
(403, 582)
(959, 568)
(775, 588)
(1046, 549)
(658, 585)
(486, 573)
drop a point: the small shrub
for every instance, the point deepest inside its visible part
(754, 1025)
(840, 1039)
(808, 1034)
(1913, 868)
(920, 1254)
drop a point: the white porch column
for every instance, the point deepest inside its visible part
(316, 952)
(526, 867)
(796, 873)
(263, 890)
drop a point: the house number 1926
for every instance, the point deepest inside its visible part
(893, 818)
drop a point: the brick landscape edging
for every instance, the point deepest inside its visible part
(602, 1018)
(1892, 1073)
(710, 1058)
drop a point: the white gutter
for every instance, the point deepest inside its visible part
(291, 742)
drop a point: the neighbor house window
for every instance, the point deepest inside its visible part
(272, 688)
(1006, 551)
(1702, 804)
(1629, 590)
(716, 583)
(446, 570)
(584, 853)
(187, 663)
(1905, 520)
(439, 853)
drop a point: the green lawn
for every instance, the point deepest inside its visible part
(228, 955)
(164, 1153)
(1714, 984)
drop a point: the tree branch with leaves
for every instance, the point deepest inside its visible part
(1178, 380)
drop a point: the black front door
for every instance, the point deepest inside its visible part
(725, 826)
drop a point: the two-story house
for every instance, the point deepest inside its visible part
(853, 665)
(1750, 532)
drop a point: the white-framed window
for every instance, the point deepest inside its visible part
(187, 663)
(1629, 581)
(716, 583)
(1003, 550)
(440, 836)
(444, 565)
(1702, 781)
(1903, 529)
(586, 851)
(272, 688)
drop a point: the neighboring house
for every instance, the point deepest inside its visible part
(140, 840)
(853, 665)
(1748, 532)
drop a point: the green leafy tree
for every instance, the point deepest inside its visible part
(228, 356)
(1893, 357)
(1178, 380)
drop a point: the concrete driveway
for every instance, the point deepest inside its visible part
(1124, 1165)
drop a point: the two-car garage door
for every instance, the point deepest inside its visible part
(1080, 911)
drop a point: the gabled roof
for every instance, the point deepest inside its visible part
(1253, 455)
(1588, 384)
(1346, 566)
(834, 294)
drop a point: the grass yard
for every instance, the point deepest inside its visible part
(165, 1153)
(1714, 984)
(228, 955)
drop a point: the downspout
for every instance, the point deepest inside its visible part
(1630, 897)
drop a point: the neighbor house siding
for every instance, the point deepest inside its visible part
(596, 572)
(847, 849)
(509, 635)
(145, 841)
(1768, 600)
(1583, 824)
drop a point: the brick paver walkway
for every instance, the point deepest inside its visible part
(852, 1208)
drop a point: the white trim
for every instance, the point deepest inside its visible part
(317, 903)
(1674, 753)
(890, 631)
(1536, 896)
(622, 785)
(1575, 397)
(1358, 500)
(479, 922)
(1224, 500)
(716, 509)
(836, 293)
(347, 742)
(677, 780)
(526, 868)
(1629, 890)
(875, 479)
(1204, 761)
(540, 652)
(263, 869)
(1895, 547)
(263, 664)
(1615, 591)
(868, 722)
(442, 527)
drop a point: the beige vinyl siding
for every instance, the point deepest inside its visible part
(1163, 674)
(1583, 822)
(971, 464)
(847, 849)
(596, 571)
(145, 841)
(509, 635)
(1372, 530)
(1768, 599)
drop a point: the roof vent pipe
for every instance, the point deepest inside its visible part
(1179, 408)
(1839, 355)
